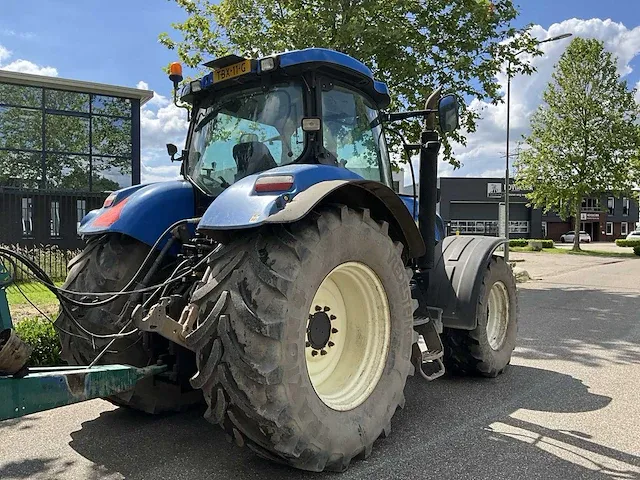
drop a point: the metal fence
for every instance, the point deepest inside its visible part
(35, 217)
(52, 259)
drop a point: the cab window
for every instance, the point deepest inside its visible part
(349, 138)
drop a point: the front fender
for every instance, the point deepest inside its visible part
(454, 283)
(239, 206)
(143, 212)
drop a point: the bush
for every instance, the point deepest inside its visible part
(636, 250)
(518, 242)
(523, 242)
(621, 242)
(40, 334)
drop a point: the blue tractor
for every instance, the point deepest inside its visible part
(283, 281)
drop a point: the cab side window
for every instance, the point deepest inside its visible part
(350, 139)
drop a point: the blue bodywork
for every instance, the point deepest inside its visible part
(318, 57)
(240, 206)
(409, 201)
(148, 211)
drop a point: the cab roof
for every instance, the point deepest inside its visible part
(330, 62)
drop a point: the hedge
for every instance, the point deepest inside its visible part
(621, 242)
(40, 334)
(524, 242)
(636, 250)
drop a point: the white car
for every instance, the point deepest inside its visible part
(635, 235)
(570, 236)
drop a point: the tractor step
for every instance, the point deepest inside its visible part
(428, 351)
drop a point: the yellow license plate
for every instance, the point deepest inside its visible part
(232, 71)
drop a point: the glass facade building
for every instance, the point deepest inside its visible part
(69, 141)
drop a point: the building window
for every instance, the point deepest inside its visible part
(54, 226)
(590, 204)
(624, 228)
(544, 229)
(485, 227)
(625, 206)
(27, 217)
(396, 186)
(81, 211)
(609, 228)
(611, 205)
(518, 227)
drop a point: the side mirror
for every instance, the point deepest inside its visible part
(448, 113)
(172, 150)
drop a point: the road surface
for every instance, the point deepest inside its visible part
(568, 407)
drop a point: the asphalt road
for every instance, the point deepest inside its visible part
(568, 407)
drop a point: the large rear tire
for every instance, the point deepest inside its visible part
(487, 349)
(304, 338)
(106, 265)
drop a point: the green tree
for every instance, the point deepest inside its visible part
(585, 137)
(414, 46)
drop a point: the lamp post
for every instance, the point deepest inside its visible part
(506, 173)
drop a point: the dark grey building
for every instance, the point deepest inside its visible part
(472, 206)
(64, 144)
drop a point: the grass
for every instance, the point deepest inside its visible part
(564, 251)
(40, 295)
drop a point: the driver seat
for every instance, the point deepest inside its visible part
(251, 157)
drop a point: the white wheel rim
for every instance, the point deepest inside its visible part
(497, 315)
(356, 350)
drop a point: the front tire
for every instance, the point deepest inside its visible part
(106, 265)
(274, 302)
(487, 349)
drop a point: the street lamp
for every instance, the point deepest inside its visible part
(506, 174)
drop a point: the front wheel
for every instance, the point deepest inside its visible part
(304, 339)
(487, 349)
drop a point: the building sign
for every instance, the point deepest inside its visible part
(495, 190)
(589, 216)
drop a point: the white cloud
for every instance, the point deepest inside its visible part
(4, 53)
(485, 150)
(161, 122)
(638, 92)
(24, 66)
(13, 33)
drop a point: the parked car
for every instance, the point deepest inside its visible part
(570, 236)
(635, 235)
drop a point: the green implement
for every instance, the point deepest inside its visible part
(50, 387)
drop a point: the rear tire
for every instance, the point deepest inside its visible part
(257, 330)
(106, 265)
(487, 349)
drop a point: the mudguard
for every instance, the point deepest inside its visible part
(454, 283)
(142, 211)
(240, 206)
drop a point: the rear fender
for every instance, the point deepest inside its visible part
(454, 283)
(142, 212)
(240, 207)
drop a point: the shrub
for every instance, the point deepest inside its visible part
(518, 242)
(523, 242)
(636, 250)
(621, 242)
(40, 334)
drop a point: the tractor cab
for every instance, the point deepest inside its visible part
(312, 106)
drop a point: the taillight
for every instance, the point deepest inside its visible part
(109, 200)
(274, 183)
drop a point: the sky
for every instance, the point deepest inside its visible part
(116, 42)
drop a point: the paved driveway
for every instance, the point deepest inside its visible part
(568, 408)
